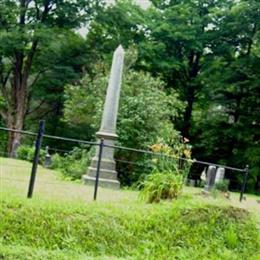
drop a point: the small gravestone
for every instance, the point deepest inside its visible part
(16, 145)
(220, 174)
(192, 183)
(47, 162)
(211, 175)
(203, 175)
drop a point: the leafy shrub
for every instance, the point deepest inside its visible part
(168, 174)
(84, 104)
(222, 185)
(74, 164)
(22, 152)
(57, 161)
(26, 153)
(161, 185)
(171, 151)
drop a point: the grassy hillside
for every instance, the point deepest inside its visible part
(192, 227)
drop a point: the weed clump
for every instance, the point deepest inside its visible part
(161, 186)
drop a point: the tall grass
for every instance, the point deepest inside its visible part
(140, 231)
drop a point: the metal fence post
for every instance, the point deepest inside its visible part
(243, 187)
(38, 144)
(98, 167)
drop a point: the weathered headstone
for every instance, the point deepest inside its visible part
(108, 174)
(220, 174)
(192, 183)
(47, 162)
(211, 175)
(16, 145)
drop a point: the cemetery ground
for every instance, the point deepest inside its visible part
(62, 222)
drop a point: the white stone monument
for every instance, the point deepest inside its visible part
(108, 174)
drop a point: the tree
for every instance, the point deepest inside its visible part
(120, 23)
(180, 36)
(229, 103)
(142, 109)
(26, 28)
(144, 114)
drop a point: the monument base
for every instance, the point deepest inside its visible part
(105, 183)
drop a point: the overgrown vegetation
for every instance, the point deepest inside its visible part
(222, 185)
(161, 186)
(73, 164)
(194, 68)
(168, 175)
(140, 231)
(26, 152)
(62, 222)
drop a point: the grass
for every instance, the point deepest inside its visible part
(62, 222)
(15, 175)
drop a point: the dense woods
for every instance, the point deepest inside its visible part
(192, 67)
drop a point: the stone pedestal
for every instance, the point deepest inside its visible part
(108, 174)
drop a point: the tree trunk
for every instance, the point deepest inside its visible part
(16, 118)
(18, 103)
(188, 114)
(193, 70)
(17, 94)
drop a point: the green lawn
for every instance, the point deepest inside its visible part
(62, 222)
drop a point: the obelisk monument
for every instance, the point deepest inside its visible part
(108, 174)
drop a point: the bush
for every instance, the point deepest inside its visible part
(57, 161)
(74, 164)
(134, 120)
(26, 153)
(162, 185)
(168, 174)
(222, 185)
(22, 152)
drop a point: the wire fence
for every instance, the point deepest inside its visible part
(131, 164)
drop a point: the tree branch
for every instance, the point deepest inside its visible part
(36, 108)
(3, 115)
(37, 78)
(44, 114)
(33, 49)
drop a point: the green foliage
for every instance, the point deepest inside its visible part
(231, 237)
(29, 253)
(142, 110)
(199, 50)
(34, 36)
(137, 231)
(161, 186)
(26, 152)
(23, 152)
(228, 105)
(74, 164)
(169, 173)
(56, 161)
(222, 185)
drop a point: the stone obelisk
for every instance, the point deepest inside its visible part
(108, 174)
